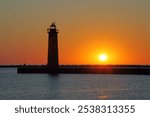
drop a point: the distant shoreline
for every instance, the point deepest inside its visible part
(7, 66)
(76, 66)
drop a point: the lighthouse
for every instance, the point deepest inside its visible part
(52, 46)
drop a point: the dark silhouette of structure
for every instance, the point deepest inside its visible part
(52, 46)
(53, 66)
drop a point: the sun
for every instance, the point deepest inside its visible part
(102, 57)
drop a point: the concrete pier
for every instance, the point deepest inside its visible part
(86, 70)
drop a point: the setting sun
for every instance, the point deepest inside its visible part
(103, 57)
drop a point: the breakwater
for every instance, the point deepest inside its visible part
(87, 70)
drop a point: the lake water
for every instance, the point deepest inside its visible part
(72, 86)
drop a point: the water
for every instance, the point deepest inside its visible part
(72, 86)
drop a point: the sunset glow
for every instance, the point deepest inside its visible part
(121, 28)
(103, 57)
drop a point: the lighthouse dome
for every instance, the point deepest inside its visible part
(53, 26)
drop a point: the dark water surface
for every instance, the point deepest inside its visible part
(72, 86)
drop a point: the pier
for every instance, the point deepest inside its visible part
(141, 70)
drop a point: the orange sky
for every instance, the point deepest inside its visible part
(87, 28)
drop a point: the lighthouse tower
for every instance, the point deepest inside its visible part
(52, 46)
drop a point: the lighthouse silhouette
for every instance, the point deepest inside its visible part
(52, 46)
